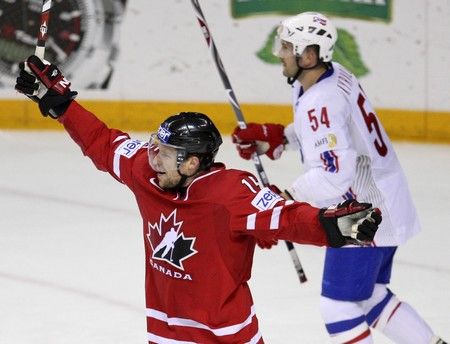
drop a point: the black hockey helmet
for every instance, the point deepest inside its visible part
(195, 133)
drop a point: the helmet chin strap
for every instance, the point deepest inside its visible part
(180, 185)
(291, 79)
(183, 179)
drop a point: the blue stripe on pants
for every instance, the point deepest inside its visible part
(345, 325)
(375, 312)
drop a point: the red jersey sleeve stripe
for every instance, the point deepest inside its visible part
(251, 222)
(116, 165)
(275, 218)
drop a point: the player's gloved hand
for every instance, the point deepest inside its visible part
(261, 138)
(350, 222)
(44, 83)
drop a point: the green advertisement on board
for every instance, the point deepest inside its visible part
(346, 51)
(363, 9)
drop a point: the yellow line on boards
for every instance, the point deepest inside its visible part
(422, 126)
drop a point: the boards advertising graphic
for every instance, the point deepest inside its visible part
(142, 58)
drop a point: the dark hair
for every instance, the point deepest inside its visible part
(316, 49)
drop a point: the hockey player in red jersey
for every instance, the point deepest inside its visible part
(200, 220)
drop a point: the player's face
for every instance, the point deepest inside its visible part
(169, 179)
(166, 167)
(163, 160)
(288, 60)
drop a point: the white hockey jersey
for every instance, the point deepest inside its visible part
(347, 154)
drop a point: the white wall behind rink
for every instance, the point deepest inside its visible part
(163, 56)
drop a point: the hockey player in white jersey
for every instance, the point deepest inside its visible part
(346, 154)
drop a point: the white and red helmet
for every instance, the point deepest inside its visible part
(308, 28)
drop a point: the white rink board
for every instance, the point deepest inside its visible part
(163, 56)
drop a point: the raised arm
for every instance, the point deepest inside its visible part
(111, 150)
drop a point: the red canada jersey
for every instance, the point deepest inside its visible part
(199, 245)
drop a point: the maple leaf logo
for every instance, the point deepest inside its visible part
(168, 242)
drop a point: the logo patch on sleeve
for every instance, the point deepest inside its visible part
(129, 147)
(266, 199)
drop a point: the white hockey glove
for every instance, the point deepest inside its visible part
(350, 222)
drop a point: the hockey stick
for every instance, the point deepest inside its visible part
(43, 29)
(241, 121)
(40, 44)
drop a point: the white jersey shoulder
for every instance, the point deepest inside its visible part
(348, 154)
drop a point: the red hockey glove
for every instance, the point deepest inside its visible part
(350, 222)
(261, 138)
(58, 95)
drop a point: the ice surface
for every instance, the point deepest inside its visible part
(72, 259)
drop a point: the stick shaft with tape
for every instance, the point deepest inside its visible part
(43, 29)
(241, 121)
